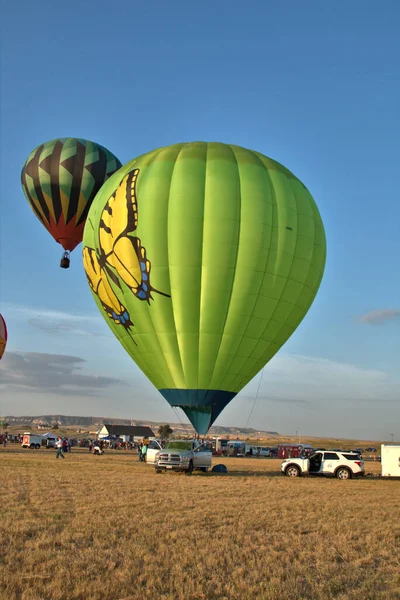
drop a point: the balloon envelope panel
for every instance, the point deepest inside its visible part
(203, 258)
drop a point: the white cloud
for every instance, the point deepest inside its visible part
(378, 317)
(56, 322)
(47, 313)
(57, 374)
(312, 379)
(313, 394)
(318, 396)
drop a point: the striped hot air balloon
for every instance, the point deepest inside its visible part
(60, 178)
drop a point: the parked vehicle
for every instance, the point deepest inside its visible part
(31, 440)
(293, 450)
(332, 464)
(220, 445)
(390, 460)
(153, 449)
(262, 451)
(236, 448)
(183, 455)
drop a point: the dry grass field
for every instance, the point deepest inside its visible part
(108, 528)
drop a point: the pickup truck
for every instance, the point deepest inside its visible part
(183, 455)
(153, 449)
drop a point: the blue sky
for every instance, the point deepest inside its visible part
(314, 85)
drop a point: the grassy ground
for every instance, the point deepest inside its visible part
(107, 528)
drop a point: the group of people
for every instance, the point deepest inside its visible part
(96, 444)
(6, 438)
(97, 447)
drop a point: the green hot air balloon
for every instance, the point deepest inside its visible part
(203, 259)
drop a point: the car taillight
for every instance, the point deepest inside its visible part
(359, 463)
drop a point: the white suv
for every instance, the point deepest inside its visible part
(343, 465)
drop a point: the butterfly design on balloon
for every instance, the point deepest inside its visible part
(120, 253)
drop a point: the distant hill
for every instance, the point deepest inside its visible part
(94, 423)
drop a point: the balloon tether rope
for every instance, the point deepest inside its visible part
(255, 399)
(180, 420)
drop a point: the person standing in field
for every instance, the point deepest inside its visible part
(59, 446)
(144, 451)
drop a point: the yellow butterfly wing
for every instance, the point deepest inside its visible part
(118, 248)
(129, 259)
(120, 214)
(99, 283)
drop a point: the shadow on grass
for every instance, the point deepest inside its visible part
(269, 474)
(273, 474)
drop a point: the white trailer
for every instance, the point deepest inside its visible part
(30, 440)
(390, 460)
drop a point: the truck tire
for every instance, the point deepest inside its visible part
(37, 446)
(343, 473)
(204, 469)
(293, 471)
(32, 446)
(190, 468)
